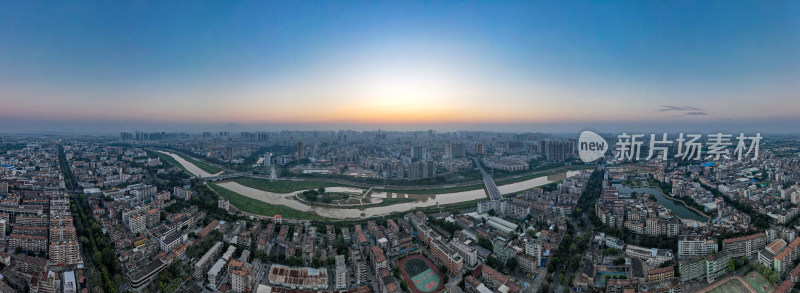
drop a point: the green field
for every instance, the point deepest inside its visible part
(258, 207)
(283, 186)
(731, 286)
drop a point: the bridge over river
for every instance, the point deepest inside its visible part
(488, 183)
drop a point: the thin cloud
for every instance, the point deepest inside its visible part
(681, 111)
(698, 113)
(668, 108)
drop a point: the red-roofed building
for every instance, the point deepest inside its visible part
(361, 238)
(392, 226)
(208, 229)
(387, 282)
(785, 287)
(492, 277)
(378, 258)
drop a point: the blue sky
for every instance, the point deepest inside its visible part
(317, 64)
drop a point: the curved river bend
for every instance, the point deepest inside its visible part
(420, 200)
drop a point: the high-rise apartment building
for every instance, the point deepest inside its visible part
(341, 272)
(182, 193)
(479, 149)
(359, 266)
(454, 150)
(417, 152)
(300, 150)
(65, 252)
(556, 151)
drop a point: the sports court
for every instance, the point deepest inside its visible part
(604, 276)
(758, 282)
(732, 285)
(421, 275)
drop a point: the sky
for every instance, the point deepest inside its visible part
(110, 66)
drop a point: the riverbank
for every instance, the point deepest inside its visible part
(259, 207)
(297, 184)
(207, 167)
(452, 208)
(382, 202)
(285, 186)
(185, 165)
(244, 195)
(259, 196)
(546, 172)
(169, 160)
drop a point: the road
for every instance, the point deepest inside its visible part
(488, 183)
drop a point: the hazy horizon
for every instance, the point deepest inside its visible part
(115, 128)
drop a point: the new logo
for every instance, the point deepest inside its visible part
(591, 146)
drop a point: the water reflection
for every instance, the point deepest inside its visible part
(677, 208)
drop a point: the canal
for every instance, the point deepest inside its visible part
(677, 208)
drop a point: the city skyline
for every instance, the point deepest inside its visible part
(636, 66)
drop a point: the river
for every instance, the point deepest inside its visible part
(677, 208)
(192, 168)
(420, 200)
